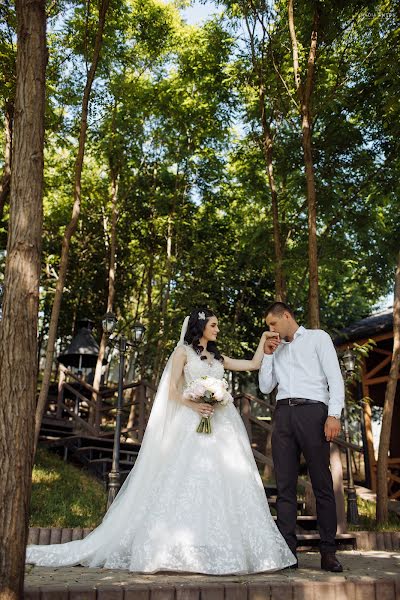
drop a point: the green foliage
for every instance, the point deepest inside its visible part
(64, 495)
(175, 121)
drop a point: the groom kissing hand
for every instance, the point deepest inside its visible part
(304, 365)
(332, 425)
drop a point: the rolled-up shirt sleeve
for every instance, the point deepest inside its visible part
(266, 377)
(330, 365)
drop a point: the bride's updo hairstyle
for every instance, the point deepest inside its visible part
(196, 326)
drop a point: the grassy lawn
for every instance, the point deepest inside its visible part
(366, 512)
(64, 495)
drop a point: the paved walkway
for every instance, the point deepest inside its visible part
(373, 575)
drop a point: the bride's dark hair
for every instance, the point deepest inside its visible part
(195, 330)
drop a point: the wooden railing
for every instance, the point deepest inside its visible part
(92, 410)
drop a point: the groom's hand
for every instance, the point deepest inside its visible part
(332, 428)
(272, 341)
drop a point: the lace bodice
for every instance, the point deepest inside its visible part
(195, 367)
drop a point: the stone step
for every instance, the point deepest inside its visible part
(272, 503)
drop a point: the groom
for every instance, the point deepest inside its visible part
(303, 364)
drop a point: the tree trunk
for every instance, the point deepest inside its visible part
(280, 280)
(166, 289)
(384, 441)
(18, 329)
(111, 292)
(304, 92)
(313, 293)
(6, 179)
(71, 228)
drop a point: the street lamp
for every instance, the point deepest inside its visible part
(121, 343)
(349, 363)
(109, 322)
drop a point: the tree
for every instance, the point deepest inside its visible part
(390, 393)
(304, 90)
(258, 24)
(71, 228)
(18, 329)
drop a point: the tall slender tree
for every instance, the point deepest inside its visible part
(18, 329)
(71, 228)
(258, 21)
(6, 178)
(387, 417)
(305, 88)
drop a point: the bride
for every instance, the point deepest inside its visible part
(193, 502)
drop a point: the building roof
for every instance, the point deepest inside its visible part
(375, 324)
(83, 349)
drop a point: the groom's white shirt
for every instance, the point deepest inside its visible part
(307, 367)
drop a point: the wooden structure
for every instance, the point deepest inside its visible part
(375, 371)
(77, 400)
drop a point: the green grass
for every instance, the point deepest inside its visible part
(366, 512)
(64, 495)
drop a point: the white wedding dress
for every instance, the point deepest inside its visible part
(193, 502)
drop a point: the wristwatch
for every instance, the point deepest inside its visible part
(336, 416)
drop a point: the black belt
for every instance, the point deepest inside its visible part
(297, 401)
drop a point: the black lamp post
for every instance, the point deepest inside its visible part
(349, 363)
(121, 343)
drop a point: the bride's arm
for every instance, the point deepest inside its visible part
(178, 363)
(233, 364)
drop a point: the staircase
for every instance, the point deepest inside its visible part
(55, 429)
(92, 452)
(306, 529)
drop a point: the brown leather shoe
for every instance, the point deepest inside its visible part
(329, 562)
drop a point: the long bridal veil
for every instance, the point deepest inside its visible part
(131, 502)
(156, 439)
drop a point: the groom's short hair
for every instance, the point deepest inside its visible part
(278, 308)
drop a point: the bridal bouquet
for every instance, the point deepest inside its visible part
(209, 390)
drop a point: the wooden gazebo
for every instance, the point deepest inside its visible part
(377, 327)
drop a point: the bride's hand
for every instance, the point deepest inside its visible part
(204, 409)
(271, 342)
